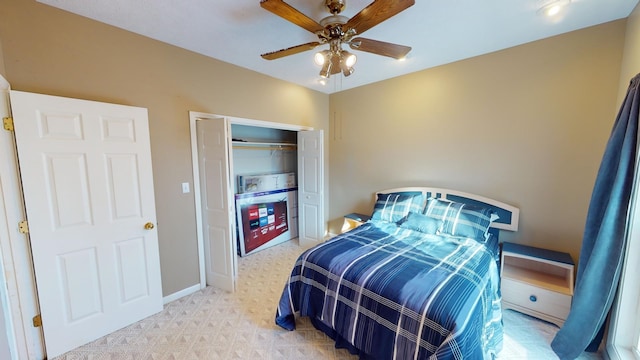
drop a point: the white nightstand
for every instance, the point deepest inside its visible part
(537, 282)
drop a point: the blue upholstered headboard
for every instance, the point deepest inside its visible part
(509, 214)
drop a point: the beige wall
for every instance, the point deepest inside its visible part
(631, 57)
(54, 52)
(2, 71)
(526, 125)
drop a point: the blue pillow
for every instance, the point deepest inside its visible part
(394, 207)
(422, 223)
(461, 219)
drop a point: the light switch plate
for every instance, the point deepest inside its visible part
(185, 187)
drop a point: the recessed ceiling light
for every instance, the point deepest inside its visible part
(553, 8)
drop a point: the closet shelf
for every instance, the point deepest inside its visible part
(259, 145)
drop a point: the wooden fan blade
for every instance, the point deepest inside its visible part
(289, 13)
(289, 51)
(377, 12)
(380, 47)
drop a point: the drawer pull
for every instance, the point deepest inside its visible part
(533, 298)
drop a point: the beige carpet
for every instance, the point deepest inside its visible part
(213, 324)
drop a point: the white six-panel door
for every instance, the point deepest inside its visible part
(310, 187)
(217, 203)
(87, 179)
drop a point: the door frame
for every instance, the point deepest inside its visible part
(193, 117)
(21, 301)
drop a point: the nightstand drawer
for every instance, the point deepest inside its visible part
(535, 298)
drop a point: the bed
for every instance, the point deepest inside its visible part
(418, 280)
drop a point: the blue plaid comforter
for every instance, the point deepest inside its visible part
(386, 292)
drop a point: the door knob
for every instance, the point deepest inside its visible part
(148, 226)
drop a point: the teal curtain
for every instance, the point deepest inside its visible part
(603, 242)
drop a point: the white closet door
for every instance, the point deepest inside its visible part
(88, 187)
(217, 202)
(310, 187)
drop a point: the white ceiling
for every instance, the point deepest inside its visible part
(439, 31)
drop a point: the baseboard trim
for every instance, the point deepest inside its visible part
(182, 293)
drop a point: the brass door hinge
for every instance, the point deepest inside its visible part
(8, 123)
(37, 321)
(23, 227)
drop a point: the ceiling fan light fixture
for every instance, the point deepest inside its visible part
(325, 72)
(347, 71)
(348, 58)
(320, 58)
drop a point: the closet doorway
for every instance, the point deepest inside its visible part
(214, 187)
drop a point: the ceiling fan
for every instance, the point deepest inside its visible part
(337, 29)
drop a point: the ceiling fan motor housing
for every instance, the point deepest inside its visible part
(333, 27)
